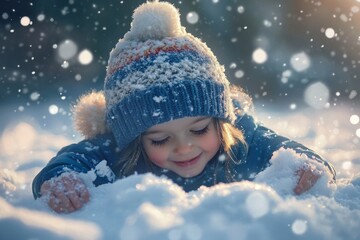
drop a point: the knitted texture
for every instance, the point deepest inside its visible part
(158, 72)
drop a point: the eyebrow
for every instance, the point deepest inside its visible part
(192, 123)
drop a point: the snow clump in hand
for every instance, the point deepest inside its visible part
(281, 174)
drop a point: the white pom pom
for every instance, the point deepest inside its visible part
(89, 114)
(155, 20)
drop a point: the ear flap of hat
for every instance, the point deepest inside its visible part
(89, 114)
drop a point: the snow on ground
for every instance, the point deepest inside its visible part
(149, 207)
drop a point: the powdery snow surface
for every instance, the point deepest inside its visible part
(149, 207)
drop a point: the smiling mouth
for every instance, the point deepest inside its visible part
(188, 162)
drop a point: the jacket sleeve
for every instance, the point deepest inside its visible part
(262, 142)
(80, 157)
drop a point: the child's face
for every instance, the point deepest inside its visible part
(183, 146)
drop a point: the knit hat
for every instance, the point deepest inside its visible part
(158, 72)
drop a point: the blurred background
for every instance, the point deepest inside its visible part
(287, 55)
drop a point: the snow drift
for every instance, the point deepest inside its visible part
(150, 207)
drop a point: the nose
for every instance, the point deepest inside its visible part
(183, 147)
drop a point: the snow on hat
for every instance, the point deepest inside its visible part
(158, 72)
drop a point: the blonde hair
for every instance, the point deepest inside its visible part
(229, 136)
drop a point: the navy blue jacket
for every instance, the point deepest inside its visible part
(261, 144)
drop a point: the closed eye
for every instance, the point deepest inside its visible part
(201, 131)
(159, 142)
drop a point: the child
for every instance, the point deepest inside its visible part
(167, 108)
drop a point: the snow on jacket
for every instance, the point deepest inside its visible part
(89, 155)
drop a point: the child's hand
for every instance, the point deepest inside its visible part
(66, 193)
(307, 179)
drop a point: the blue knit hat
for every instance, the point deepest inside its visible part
(158, 72)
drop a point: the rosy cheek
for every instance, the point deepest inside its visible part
(156, 156)
(212, 142)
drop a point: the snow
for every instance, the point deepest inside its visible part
(259, 56)
(192, 17)
(354, 119)
(239, 74)
(53, 109)
(67, 49)
(25, 21)
(317, 95)
(240, 9)
(285, 163)
(103, 170)
(300, 61)
(150, 207)
(85, 57)
(330, 33)
(159, 99)
(352, 94)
